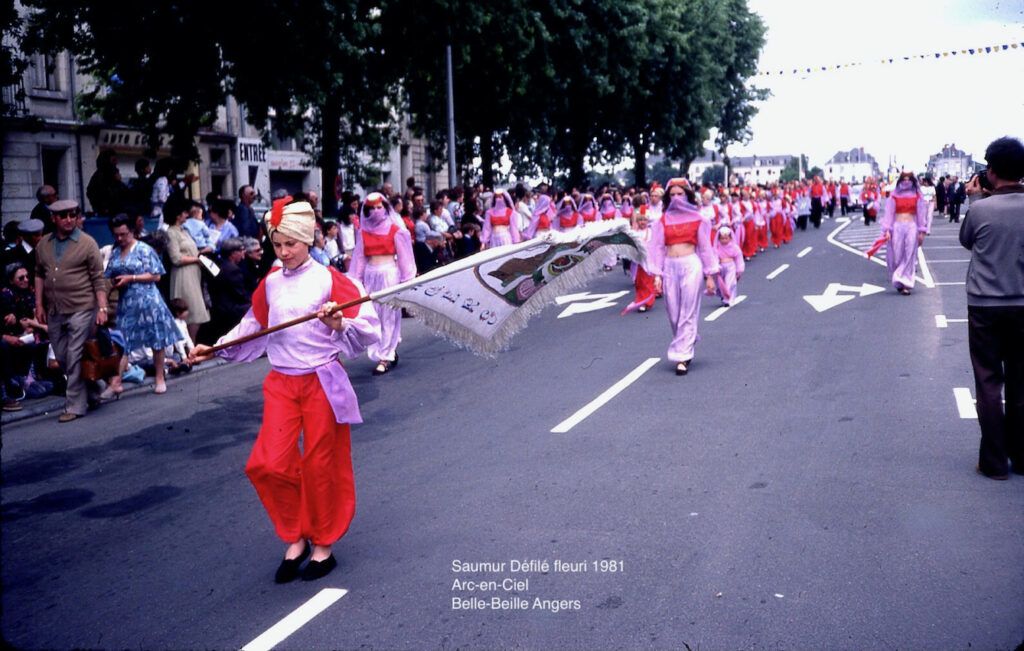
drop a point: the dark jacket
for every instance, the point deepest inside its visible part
(245, 221)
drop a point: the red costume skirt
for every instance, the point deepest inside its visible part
(644, 287)
(778, 226)
(309, 494)
(762, 237)
(749, 239)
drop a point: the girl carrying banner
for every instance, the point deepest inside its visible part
(309, 495)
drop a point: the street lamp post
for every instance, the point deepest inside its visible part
(451, 119)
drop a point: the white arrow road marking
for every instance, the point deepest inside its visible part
(957, 282)
(825, 302)
(296, 620)
(609, 393)
(942, 322)
(804, 252)
(598, 302)
(725, 308)
(866, 289)
(842, 220)
(775, 273)
(965, 403)
(831, 296)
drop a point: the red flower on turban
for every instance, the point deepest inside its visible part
(277, 210)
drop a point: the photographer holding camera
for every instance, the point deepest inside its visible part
(993, 231)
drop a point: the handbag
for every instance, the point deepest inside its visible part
(101, 357)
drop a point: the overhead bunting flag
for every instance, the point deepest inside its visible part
(989, 49)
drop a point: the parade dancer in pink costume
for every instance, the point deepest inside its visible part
(683, 262)
(904, 225)
(731, 265)
(567, 218)
(500, 226)
(383, 257)
(542, 219)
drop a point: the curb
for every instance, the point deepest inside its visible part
(55, 404)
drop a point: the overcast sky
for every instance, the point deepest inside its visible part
(905, 109)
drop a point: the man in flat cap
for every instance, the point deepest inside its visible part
(71, 296)
(23, 249)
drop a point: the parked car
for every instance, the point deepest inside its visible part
(855, 190)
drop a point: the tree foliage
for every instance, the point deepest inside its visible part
(556, 86)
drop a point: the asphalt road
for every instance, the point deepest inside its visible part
(810, 484)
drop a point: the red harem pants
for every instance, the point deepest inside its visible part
(644, 287)
(749, 239)
(778, 228)
(312, 494)
(787, 230)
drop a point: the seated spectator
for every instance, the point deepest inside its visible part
(229, 292)
(423, 227)
(469, 243)
(24, 364)
(23, 251)
(426, 253)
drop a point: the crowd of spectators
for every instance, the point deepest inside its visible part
(193, 274)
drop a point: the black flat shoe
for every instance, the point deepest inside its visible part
(681, 368)
(319, 569)
(383, 366)
(288, 570)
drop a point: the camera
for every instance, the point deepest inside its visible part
(983, 182)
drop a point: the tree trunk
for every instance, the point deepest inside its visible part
(487, 160)
(639, 161)
(330, 152)
(577, 171)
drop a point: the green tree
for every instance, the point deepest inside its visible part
(491, 41)
(791, 172)
(744, 38)
(713, 175)
(815, 171)
(319, 68)
(156, 65)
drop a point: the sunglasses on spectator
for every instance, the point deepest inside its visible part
(21, 277)
(68, 214)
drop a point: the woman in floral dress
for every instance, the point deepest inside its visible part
(142, 315)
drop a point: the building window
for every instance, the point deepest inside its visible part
(44, 73)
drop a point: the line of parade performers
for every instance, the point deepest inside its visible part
(698, 241)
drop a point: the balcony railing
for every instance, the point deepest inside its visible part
(12, 100)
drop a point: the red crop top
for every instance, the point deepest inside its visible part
(379, 244)
(589, 217)
(906, 205)
(501, 220)
(685, 233)
(543, 223)
(570, 221)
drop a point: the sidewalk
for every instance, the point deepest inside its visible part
(55, 404)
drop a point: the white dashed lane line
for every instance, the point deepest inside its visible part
(296, 620)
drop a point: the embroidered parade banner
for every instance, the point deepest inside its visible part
(481, 302)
